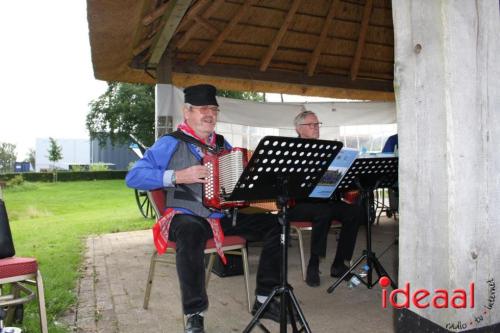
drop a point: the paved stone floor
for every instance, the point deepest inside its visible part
(111, 290)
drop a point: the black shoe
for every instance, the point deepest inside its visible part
(338, 270)
(312, 276)
(194, 324)
(272, 311)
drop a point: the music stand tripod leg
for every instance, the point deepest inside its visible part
(368, 254)
(379, 269)
(348, 272)
(288, 300)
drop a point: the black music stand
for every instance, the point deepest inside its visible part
(368, 173)
(284, 168)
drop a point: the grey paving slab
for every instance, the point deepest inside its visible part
(113, 282)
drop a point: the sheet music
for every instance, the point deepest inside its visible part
(336, 171)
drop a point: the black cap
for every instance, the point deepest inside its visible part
(201, 94)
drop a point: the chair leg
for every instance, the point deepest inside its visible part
(244, 254)
(149, 283)
(11, 310)
(41, 303)
(210, 265)
(301, 249)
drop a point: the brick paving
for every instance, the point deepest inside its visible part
(115, 268)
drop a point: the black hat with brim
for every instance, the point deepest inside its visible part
(201, 94)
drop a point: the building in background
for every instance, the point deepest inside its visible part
(74, 152)
(83, 152)
(118, 156)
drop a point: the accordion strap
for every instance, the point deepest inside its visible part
(219, 141)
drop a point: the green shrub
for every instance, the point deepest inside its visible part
(15, 181)
(77, 168)
(99, 167)
(64, 176)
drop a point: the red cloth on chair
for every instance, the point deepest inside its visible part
(162, 226)
(228, 241)
(15, 266)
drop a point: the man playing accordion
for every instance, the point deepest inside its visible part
(174, 164)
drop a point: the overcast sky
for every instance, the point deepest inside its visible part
(47, 79)
(46, 72)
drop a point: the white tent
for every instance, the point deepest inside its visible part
(280, 115)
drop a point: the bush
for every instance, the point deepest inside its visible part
(64, 176)
(99, 167)
(15, 181)
(77, 168)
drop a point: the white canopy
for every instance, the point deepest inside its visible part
(281, 115)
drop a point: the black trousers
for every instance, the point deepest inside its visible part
(321, 215)
(191, 233)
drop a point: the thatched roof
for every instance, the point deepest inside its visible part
(335, 48)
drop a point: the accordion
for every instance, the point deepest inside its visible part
(224, 170)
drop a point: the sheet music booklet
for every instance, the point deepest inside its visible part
(336, 171)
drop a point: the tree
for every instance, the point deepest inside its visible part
(8, 156)
(127, 108)
(248, 95)
(55, 152)
(122, 110)
(31, 157)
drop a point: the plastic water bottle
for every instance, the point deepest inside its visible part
(10, 330)
(353, 282)
(364, 271)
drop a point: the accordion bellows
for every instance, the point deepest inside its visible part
(224, 171)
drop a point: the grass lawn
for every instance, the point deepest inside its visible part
(50, 222)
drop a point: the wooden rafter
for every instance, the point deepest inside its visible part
(142, 46)
(313, 62)
(210, 50)
(245, 74)
(204, 22)
(194, 27)
(194, 10)
(266, 60)
(148, 40)
(151, 17)
(367, 11)
(172, 17)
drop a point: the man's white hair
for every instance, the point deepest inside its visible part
(301, 116)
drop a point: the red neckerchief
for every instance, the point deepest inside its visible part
(184, 127)
(162, 226)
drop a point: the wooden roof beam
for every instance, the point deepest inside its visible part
(313, 62)
(194, 27)
(172, 17)
(266, 60)
(151, 17)
(367, 12)
(206, 24)
(210, 50)
(247, 74)
(142, 46)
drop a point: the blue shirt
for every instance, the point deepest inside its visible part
(390, 144)
(151, 172)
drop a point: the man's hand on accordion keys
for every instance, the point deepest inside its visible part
(192, 175)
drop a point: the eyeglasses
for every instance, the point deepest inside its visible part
(206, 109)
(312, 125)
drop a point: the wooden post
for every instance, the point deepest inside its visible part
(447, 84)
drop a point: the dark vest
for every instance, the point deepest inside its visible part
(187, 196)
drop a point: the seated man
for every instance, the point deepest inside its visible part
(391, 146)
(175, 165)
(321, 213)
